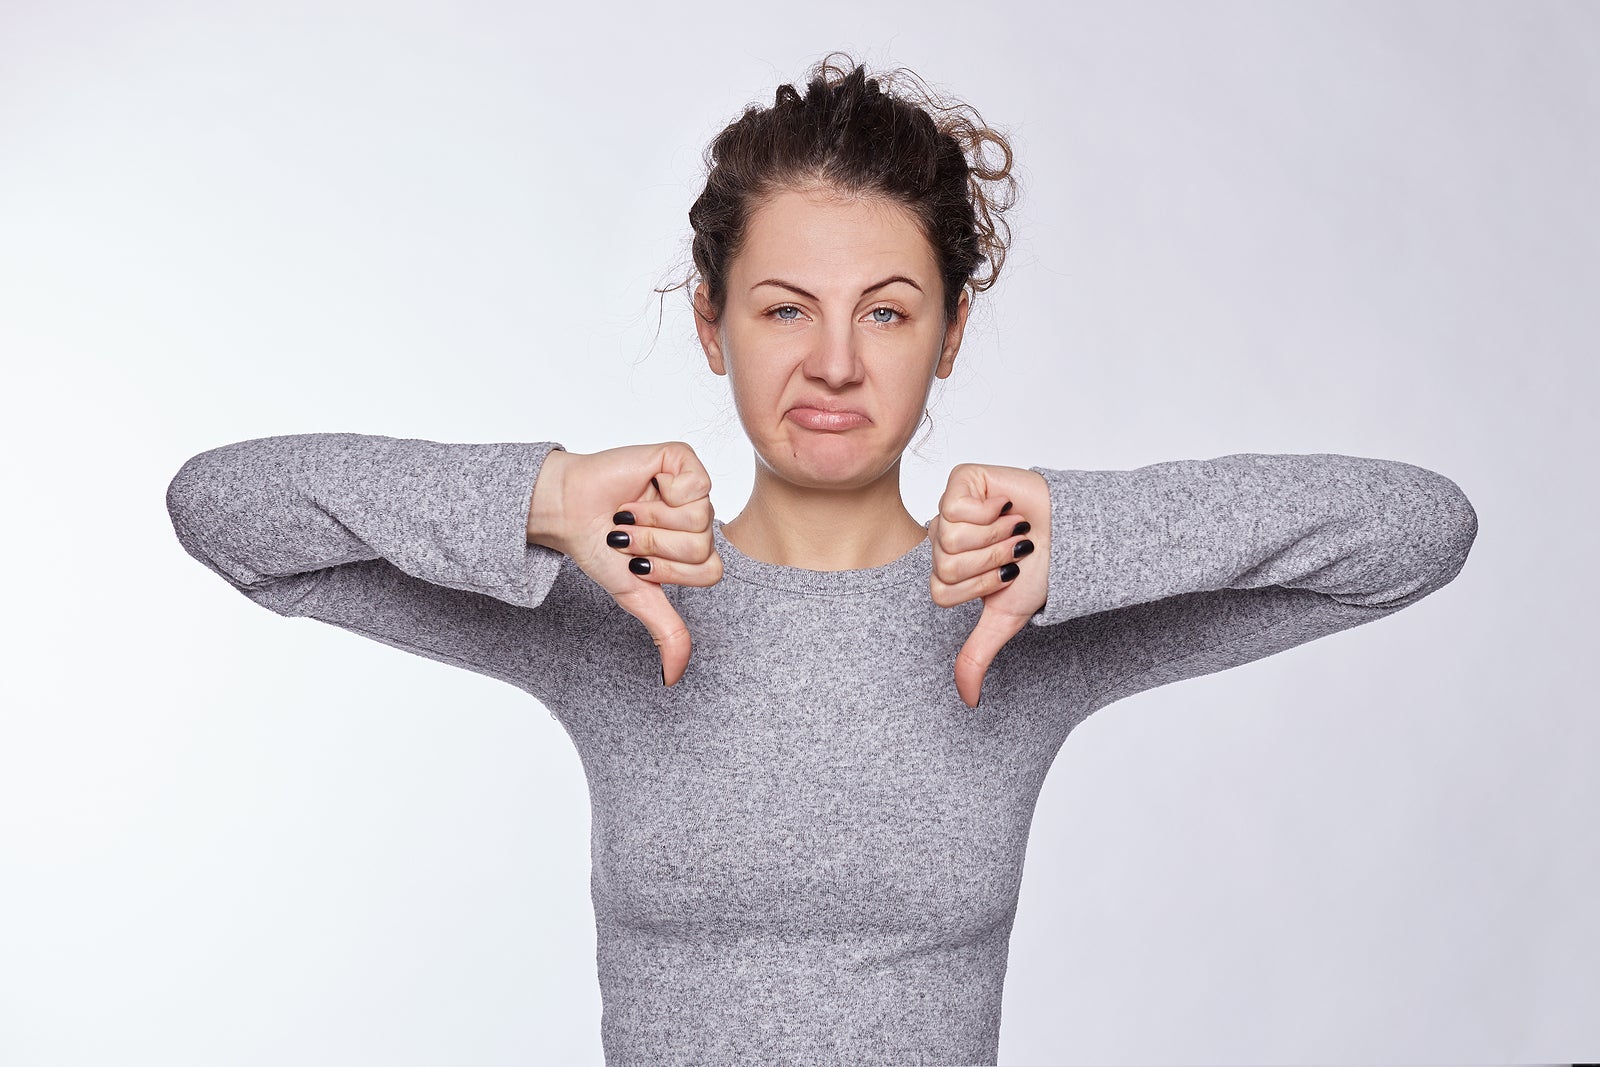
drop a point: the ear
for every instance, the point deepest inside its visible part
(952, 336)
(710, 335)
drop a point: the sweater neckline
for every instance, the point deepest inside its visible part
(915, 565)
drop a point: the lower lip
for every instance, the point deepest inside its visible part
(816, 419)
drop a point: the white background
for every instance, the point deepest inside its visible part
(231, 838)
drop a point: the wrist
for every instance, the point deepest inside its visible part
(544, 503)
(1038, 494)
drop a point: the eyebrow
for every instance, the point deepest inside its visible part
(809, 296)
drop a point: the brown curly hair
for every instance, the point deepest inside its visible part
(883, 135)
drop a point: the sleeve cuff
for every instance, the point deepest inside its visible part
(475, 534)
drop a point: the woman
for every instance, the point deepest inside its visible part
(807, 842)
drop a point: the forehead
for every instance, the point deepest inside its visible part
(833, 237)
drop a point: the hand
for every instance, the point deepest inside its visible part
(973, 537)
(666, 490)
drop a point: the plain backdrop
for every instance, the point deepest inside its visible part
(228, 838)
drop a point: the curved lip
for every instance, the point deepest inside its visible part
(822, 403)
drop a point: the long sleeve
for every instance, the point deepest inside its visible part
(419, 544)
(1189, 567)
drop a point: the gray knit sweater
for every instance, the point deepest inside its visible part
(808, 851)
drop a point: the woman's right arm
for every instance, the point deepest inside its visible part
(422, 545)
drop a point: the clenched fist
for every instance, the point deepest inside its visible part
(633, 518)
(985, 515)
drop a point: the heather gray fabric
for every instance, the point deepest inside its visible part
(809, 850)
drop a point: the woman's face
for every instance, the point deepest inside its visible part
(833, 303)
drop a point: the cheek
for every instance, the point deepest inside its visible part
(757, 385)
(756, 379)
(914, 375)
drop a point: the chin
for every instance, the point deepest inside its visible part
(830, 461)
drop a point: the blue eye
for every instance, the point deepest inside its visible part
(885, 322)
(779, 311)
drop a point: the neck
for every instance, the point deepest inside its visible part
(825, 529)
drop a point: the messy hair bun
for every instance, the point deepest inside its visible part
(885, 134)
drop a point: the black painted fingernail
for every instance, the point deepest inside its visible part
(1023, 548)
(1020, 528)
(655, 483)
(1009, 571)
(618, 539)
(1006, 508)
(623, 518)
(663, 674)
(640, 565)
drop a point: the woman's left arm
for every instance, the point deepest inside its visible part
(1189, 567)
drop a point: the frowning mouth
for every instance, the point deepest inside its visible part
(820, 419)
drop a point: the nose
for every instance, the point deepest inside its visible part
(833, 358)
